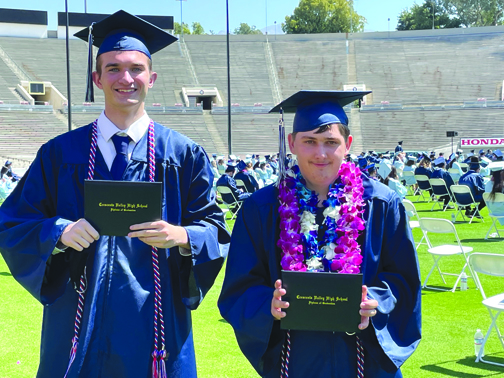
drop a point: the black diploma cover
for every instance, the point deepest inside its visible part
(111, 207)
(321, 301)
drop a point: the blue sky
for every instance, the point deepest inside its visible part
(211, 13)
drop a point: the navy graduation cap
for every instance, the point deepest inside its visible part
(317, 108)
(122, 32)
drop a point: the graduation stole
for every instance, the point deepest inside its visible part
(340, 252)
(159, 355)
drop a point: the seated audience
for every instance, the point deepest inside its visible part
(440, 172)
(410, 167)
(248, 179)
(496, 183)
(474, 181)
(424, 168)
(392, 181)
(265, 173)
(6, 171)
(215, 170)
(227, 180)
(454, 164)
(220, 165)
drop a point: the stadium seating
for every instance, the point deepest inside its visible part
(419, 82)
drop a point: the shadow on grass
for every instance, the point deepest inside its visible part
(469, 362)
(6, 274)
(482, 240)
(223, 321)
(432, 289)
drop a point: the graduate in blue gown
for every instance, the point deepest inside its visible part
(251, 295)
(227, 180)
(46, 242)
(248, 179)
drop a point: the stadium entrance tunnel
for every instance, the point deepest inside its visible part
(206, 102)
(203, 96)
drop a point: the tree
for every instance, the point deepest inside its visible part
(177, 28)
(197, 28)
(419, 17)
(246, 29)
(476, 12)
(324, 16)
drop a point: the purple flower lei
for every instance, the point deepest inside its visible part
(340, 252)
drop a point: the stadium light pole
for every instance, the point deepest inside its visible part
(181, 20)
(266, 12)
(69, 95)
(230, 151)
(433, 12)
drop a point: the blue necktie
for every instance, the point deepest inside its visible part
(121, 144)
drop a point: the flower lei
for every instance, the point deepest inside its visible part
(343, 211)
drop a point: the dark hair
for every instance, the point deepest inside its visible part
(409, 163)
(452, 161)
(392, 175)
(343, 129)
(220, 161)
(99, 64)
(498, 184)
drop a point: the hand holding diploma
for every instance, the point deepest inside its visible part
(160, 234)
(368, 306)
(79, 235)
(276, 303)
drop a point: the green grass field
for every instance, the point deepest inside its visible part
(446, 350)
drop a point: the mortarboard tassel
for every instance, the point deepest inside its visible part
(89, 76)
(282, 149)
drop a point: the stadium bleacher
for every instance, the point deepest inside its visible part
(22, 133)
(250, 82)
(7, 80)
(310, 65)
(423, 84)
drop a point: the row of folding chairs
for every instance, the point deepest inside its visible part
(476, 263)
(459, 195)
(444, 226)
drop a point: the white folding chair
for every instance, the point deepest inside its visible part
(423, 186)
(493, 265)
(241, 185)
(443, 226)
(439, 189)
(409, 176)
(464, 200)
(495, 211)
(410, 208)
(233, 207)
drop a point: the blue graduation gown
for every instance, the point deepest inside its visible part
(443, 174)
(250, 182)
(423, 171)
(116, 337)
(475, 182)
(226, 180)
(390, 270)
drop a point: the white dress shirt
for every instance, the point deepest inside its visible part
(106, 129)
